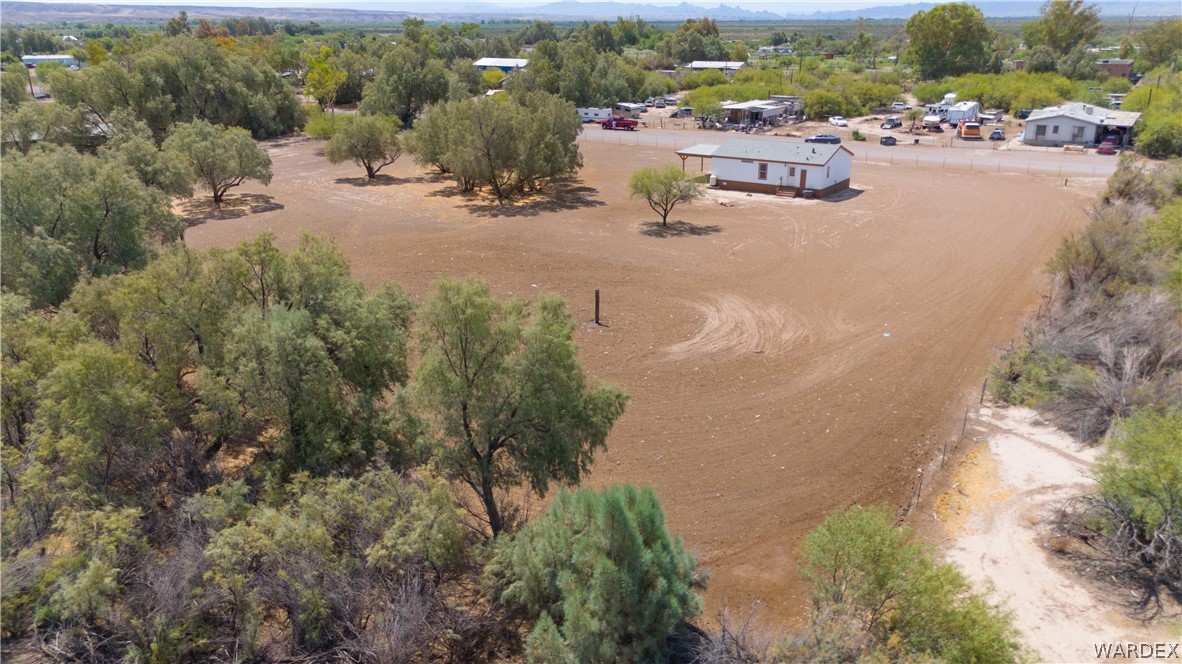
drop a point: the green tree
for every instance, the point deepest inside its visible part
(663, 188)
(370, 141)
(505, 395)
(1079, 65)
(1161, 43)
(14, 89)
(69, 215)
(1140, 491)
(129, 142)
(324, 82)
(177, 25)
(948, 40)
(180, 79)
(220, 158)
(1064, 25)
(510, 145)
(407, 81)
(602, 577)
(97, 415)
(871, 573)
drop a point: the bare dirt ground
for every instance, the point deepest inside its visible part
(996, 514)
(784, 358)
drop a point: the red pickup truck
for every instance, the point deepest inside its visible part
(619, 123)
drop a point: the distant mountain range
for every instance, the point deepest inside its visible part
(16, 12)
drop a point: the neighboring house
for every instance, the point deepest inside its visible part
(758, 110)
(776, 166)
(724, 66)
(504, 64)
(1115, 67)
(34, 60)
(1077, 124)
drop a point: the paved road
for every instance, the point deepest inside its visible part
(983, 159)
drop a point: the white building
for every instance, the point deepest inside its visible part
(724, 66)
(64, 60)
(776, 166)
(504, 64)
(1077, 124)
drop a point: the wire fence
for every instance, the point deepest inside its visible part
(981, 161)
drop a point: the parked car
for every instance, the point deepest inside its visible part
(838, 121)
(683, 112)
(887, 140)
(823, 138)
(1022, 114)
(659, 103)
(1108, 145)
(899, 106)
(892, 122)
(997, 135)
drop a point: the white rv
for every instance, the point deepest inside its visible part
(594, 114)
(963, 110)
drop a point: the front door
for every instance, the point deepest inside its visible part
(803, 177)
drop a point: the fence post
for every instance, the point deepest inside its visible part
(597, 306)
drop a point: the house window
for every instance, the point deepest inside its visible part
(1054, 130)
(791, 171)
(762, 171)
(826, 172)
(1040, 131)
(1077, 133)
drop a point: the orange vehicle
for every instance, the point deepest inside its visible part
(968, 129)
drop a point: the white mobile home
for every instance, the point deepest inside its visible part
(776, 166)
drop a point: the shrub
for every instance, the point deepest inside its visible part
(601, 576)
(874, 588)
(1026, 377)
(1136, 516)
(858, 136)
(323, 125)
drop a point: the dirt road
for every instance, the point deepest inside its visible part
(968, 156)
(784, 357)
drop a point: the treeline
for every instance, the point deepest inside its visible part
(1104, 359)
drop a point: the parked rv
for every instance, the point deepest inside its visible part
(964, 110)
(594, 114)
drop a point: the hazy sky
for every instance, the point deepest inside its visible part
(779, 6)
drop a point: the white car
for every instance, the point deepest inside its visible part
(900, 106)
(838, 121)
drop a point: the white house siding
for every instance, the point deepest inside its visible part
(1062, 130)
(746, 172)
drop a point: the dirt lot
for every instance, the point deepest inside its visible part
(784, 357)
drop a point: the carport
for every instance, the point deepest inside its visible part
(701, 151)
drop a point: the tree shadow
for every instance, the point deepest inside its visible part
(561, 197)
(200, 210)
(383, 180)
(379, 180)
(677, 229)
(843, 195)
